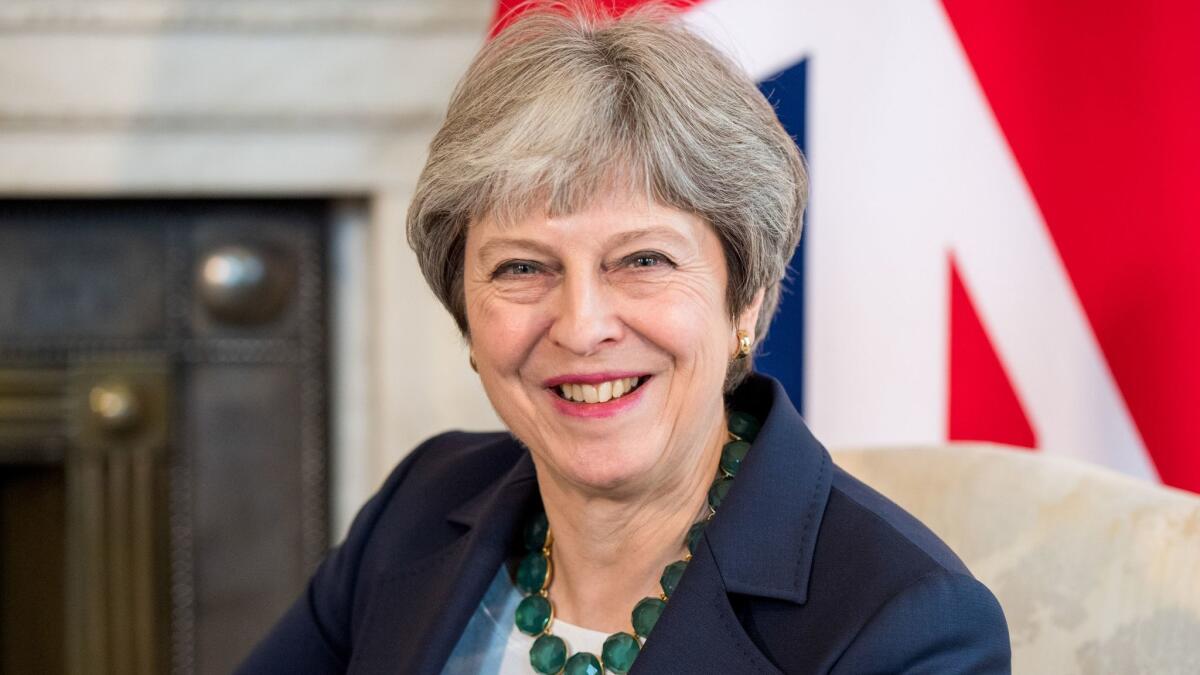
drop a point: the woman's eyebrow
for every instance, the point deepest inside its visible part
(493, 246)
(668, 233)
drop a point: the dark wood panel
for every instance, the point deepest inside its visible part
(242, 436)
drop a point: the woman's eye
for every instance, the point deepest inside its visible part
(647, 260)
(516, 268)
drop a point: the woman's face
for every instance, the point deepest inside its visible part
(626, 293)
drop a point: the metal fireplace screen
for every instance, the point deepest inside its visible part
(163, 492)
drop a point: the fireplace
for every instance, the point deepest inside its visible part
(163, 428)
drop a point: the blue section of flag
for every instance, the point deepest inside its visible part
(782, 356)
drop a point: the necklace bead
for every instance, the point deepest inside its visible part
(548, 654)
(671, 575)
(693, 536)
(716, 494)
(620, 649)
(645, 615)
(732, 455)
(583, 663)
(534, 614)
(536, 531)
(743, 426)
(533, 574)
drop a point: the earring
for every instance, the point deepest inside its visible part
(471, 360)
(744, 344)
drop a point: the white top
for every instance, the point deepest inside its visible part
(492, 645)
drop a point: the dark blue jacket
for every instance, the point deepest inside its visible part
(803, 570)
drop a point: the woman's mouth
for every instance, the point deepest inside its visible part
(600, 392)
(596, 395)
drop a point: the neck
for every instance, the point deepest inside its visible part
(609, 553)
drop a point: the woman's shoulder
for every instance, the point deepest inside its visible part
(451, 467)
(872, 550)
(887, 587)
(408, 514)
(403, 522)
(884, 594)
(855, 509)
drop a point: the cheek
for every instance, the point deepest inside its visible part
(500, 333)
(688, 321)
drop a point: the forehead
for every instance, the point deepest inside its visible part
(608, 221)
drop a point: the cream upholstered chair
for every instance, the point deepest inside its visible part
(1097, 572)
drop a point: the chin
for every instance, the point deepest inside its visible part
(607, 471)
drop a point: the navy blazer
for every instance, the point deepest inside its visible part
(803, 570)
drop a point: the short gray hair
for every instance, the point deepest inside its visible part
(568, 103)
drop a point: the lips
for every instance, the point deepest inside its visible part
(602, 392)
(596, 395)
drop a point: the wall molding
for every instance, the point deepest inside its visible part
(257, 16)
(249, 123)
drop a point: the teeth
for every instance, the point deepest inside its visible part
(598, 393)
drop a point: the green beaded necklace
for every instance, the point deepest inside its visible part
(535, 613)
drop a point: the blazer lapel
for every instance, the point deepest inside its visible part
(765, 533)
(760, 544)
(419, 611)
(699, 632)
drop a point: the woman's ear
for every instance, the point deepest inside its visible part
(747, 322)
(748, 319)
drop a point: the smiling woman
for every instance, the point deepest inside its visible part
(608, 212)
(623, 292)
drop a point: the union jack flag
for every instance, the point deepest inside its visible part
(1003, 242)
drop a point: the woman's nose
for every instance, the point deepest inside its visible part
(585, 317)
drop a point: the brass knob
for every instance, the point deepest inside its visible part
(243, 284)
(115, 406)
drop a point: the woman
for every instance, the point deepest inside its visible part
(608, 212)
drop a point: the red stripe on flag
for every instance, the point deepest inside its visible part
(1099, 102)
(983, 404)
(507, 10)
